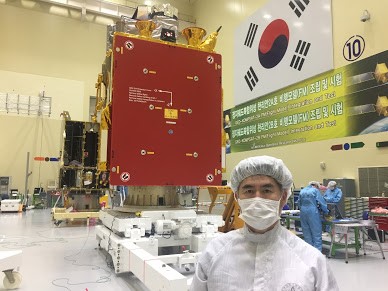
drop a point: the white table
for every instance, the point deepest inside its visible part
(343, 229)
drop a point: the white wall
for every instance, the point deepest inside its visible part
(42, 51)
(64, 93)
(39, 135)
(38, 43)
(36, 135)
(304, 159)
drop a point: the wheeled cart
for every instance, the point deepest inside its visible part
(9, 261)
(10, 205)
(60, 214)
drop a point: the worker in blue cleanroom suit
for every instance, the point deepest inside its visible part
(309, 200)
(332, 194)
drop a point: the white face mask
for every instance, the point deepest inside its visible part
(259, 213)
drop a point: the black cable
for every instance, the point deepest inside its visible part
(102, 279)
(9, 244)
(110, 233)
(163, 235)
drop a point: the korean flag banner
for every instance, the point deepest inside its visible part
(284, 42)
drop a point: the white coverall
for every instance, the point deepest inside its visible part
(274, 261)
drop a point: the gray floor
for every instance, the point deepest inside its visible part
(67, 258)
(362, 273)
(59, 258)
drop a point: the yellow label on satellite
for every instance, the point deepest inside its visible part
(170, 113)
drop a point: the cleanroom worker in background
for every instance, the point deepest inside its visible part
(263, 255)
(333, 194)
(309, 200)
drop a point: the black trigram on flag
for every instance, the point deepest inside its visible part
(251, 78)
(300, 53)
(298, 6)
(251, 35)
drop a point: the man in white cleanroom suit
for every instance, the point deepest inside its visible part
(262, 255)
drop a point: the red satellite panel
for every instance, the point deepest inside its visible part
(166, 114)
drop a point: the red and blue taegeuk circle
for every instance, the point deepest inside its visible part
(273, 43)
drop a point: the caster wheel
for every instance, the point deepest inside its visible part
(17, 280)
(58, 222)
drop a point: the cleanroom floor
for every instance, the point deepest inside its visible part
(67, 258)
(59, 258)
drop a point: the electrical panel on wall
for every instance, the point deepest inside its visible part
(166, 114)
(5, 185)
